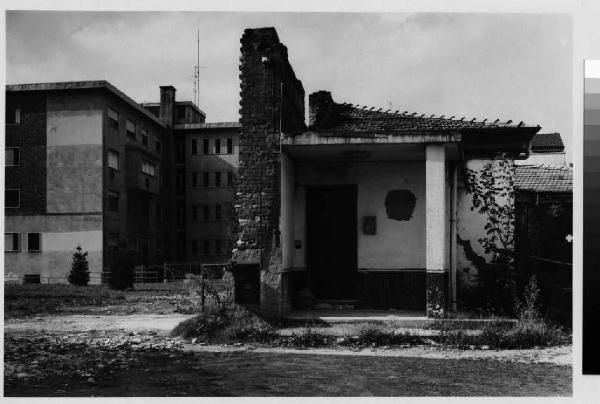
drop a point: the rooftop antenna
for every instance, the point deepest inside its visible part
(197, 71)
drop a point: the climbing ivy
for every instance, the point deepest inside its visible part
(492, 192)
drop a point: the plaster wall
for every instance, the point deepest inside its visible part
(397, 244)
(74, 155)
(553, 159)
(60, 235)
(470, 228)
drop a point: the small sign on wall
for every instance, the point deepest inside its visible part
(369, 225)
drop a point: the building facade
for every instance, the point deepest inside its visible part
(88, 166)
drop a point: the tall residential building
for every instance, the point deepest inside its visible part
(86, 165)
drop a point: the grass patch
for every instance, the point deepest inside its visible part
(23, 300)
(30, 300)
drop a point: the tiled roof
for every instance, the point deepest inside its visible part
(547, 142)
(350, 119)
(544, 178)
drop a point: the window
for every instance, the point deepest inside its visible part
(132, 244)
(217, 146)
(29, 278)
(194, 147)
(217, 212)
(149, 168)
(194, 246)
(217, 179)
(13, 115)
(180, 151)
(229, 145)
(130, 128)
(217, 246)
(206, 212)
(180, 214)
(12, 156)
(158, 146)
(11, 242)
(145, 245)
(181, 114)
(113, 119)
(194, 212)
(113, 241)
(229, 179)
(179, 181)
(206, 180)
(206, 247)
(145, 137)
(159, 213)
(113, 201)
(113, 159)
(194, 179)
(12, 198)
(34, 242)
(205, 146)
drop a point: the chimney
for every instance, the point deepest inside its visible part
(167, 105)
(319, 104)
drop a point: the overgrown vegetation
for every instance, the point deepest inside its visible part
(493, 196)
(225, 322)
(80, 270)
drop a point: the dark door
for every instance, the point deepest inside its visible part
(331, 241)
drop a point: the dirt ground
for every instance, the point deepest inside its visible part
(294, 374)
(118, 345)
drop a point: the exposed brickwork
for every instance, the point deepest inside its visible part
(272, 99)
(30, 136)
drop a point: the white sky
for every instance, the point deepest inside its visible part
(507, 66)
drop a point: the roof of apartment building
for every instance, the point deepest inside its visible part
(543, 178)
(208, 125)
(547, 143)
(351, 119)
(84, 85)
(187, 103)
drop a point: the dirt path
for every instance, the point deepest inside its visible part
(162, 323)
(555, 355)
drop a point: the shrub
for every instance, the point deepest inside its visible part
(80, 270)
(226, 323)
(122, 274)
(309, 339)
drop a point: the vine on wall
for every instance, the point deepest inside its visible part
(493, 196)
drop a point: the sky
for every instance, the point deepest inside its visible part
(506, 66)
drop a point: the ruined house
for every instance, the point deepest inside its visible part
(360, 206)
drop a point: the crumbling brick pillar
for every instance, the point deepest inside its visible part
(272, 101)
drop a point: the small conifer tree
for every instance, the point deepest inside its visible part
(80, 271)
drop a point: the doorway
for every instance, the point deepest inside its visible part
(332, 241)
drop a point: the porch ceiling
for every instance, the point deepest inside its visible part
(363, 152)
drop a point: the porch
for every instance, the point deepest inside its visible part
(367, 224)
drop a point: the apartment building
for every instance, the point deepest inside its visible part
(87, 165)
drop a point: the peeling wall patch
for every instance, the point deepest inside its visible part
(400, 204)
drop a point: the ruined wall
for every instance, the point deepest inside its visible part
(272, 100)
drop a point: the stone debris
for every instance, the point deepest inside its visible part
(85, 356)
